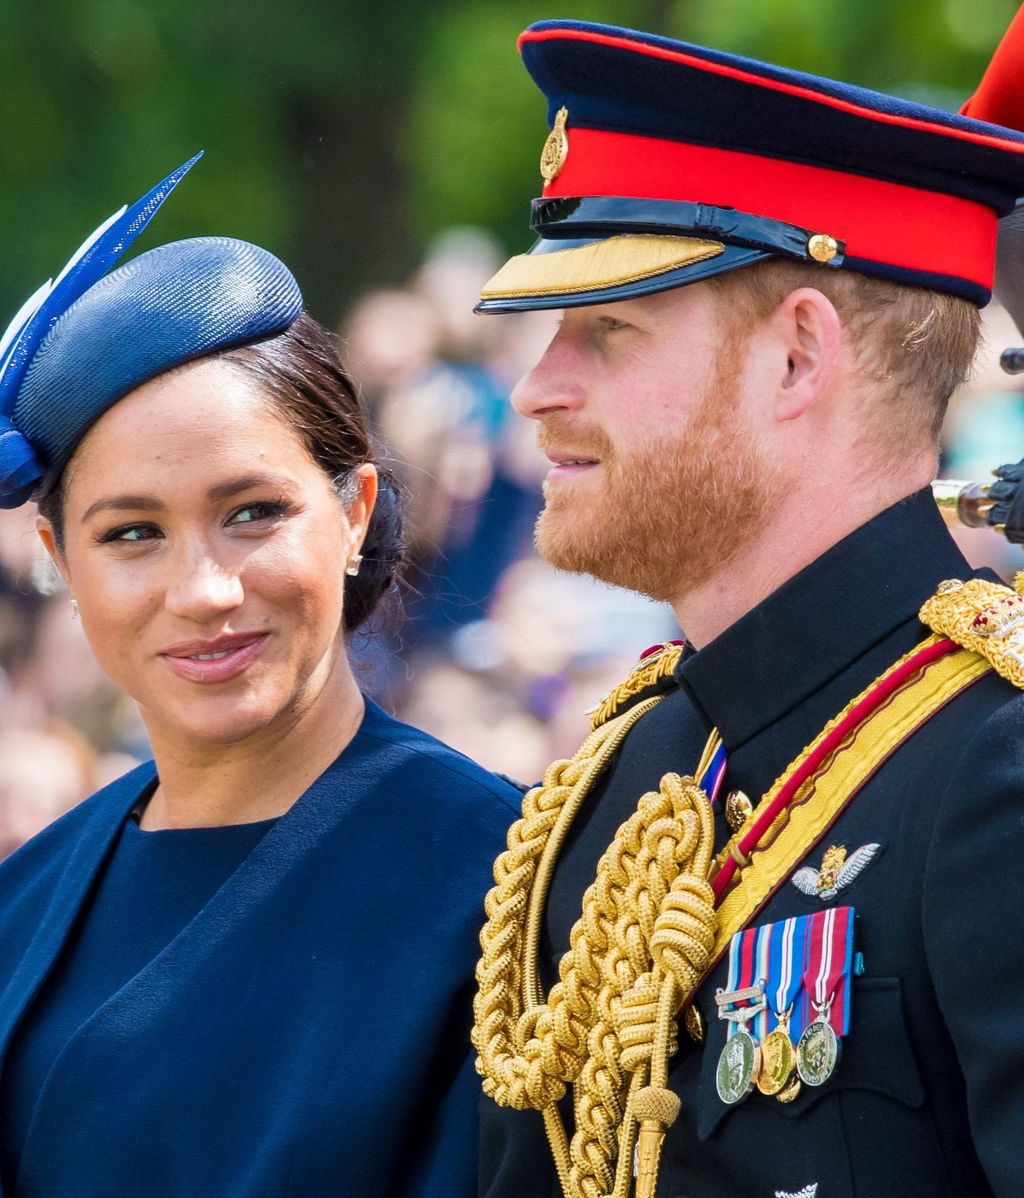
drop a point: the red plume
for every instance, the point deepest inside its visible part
(1000, 95)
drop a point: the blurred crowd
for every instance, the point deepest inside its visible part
(492, 650)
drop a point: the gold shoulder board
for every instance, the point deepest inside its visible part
(985, 617)
(652, 675)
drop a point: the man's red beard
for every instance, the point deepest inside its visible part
(667, 516)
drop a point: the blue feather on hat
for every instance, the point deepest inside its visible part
(19, 467)
(87, 339)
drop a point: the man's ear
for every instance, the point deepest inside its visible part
(808, 333)
(46, 534)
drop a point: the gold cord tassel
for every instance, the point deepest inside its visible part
(640, 948)
(656, 1109)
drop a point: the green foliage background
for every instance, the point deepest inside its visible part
(344, 136)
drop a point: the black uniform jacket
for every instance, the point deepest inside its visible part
(928, 1097)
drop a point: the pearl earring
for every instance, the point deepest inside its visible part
(354, 562)
(74, 609)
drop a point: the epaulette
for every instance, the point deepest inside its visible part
(985, 617)
(654, 674)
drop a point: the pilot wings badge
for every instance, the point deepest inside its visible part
(837, 870)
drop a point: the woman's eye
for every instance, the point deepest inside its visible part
(253, 512)
(130, 533)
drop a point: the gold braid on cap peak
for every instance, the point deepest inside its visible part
(986, 617)
(644, 940)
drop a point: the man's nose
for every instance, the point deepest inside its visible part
(201, 586)
(553, 385)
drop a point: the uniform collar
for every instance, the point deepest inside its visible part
(824, 618)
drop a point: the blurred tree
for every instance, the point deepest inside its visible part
(934, 49)
(343, 136)
(300, 112)
(477, 122)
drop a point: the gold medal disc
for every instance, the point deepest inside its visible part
(778, 1058)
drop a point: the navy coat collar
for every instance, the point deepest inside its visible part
(823, 619)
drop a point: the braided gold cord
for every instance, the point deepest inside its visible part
(526, 1053)
(640, 947)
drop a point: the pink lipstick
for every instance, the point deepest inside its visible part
(215, 660)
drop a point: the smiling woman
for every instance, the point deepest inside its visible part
(237, 946)
(199, 556)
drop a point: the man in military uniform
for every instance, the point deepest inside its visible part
(800, 834)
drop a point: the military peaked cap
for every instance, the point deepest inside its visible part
(668, 162)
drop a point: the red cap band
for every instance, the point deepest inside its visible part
(889, 223)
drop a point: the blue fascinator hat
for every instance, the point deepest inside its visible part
(88, 338)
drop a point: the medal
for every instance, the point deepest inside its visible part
(787, 1025)
(783, 943)
(740, 1060)
(826, 983)
(738, 1067)
(818, 1052)
(777, 1060)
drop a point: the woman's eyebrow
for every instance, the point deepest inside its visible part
(149, 503)
(135, 503)
(245, 482)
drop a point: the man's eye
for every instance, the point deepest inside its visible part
(252, 512)
(130, 533)
(611, 325)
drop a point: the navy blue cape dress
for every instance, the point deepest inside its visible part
(306, 1032)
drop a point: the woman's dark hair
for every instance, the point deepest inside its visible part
(301, 373)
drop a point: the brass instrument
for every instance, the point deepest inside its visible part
(999, 504)
(962, 504)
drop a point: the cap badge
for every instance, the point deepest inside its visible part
(822, 248)
(556, 148)
(837, 870)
